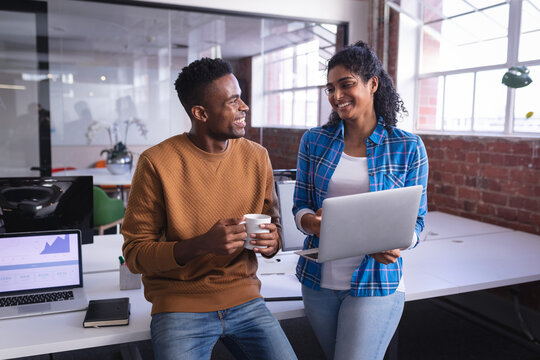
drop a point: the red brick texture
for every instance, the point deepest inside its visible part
(493, 180)
(282, 144)
(486, 179)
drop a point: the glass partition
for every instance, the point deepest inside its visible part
(113, 66)
(111, 73)
(23, 90)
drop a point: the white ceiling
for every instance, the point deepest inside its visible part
(87, 34)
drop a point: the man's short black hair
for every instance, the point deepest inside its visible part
(193, 79)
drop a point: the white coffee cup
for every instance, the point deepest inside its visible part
(253, 222)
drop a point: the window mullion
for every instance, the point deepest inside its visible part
(386, 31)
(462, 71)
(514, 29)
(443, 103)
(295, 79)
(306, 102)
(419, 44)
(509, 116)
(473, 101)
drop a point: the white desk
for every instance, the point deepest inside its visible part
(438, 268)
(44, 334)
(102, 255)
(439, 225)
(101, 176)
(434, 268)
(471, 263)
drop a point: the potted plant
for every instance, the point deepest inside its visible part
(119, 158)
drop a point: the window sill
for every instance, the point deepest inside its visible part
(524, 136)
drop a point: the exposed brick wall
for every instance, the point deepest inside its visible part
(493, 180)
(282, 145)
(376, 41)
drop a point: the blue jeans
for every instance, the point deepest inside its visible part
(350, 327)
(249, 331)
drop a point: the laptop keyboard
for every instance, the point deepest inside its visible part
(36, 298)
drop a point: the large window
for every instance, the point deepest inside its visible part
(289, 76)
(465, 47)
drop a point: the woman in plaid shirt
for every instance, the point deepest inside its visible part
(354, 304)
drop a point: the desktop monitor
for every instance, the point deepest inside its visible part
(292, 238)
(47, 203)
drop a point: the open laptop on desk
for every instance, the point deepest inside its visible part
(366, 223)
(40, 273)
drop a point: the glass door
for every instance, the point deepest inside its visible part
(25, 145)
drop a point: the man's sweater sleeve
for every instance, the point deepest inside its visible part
(145, 223)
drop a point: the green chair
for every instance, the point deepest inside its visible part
(108, 212)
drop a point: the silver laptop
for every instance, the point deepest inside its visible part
(366, 223)
(40, 273)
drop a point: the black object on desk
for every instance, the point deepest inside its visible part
(107, 312)
(283, 298)
(47, 203)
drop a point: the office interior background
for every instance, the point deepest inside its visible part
(103, 71)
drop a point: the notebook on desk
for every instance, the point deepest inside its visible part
(366, 223)
(40, 273)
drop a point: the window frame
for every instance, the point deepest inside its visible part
(260, 93)
(294, 89)
(514, 32)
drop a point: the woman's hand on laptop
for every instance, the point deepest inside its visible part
(387, 257)
(312, 222)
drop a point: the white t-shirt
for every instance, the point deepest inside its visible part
(350, 177)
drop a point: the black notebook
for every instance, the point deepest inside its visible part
(107, 312)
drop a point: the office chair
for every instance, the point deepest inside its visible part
(58, 169)
(108, 212)
(284, 174)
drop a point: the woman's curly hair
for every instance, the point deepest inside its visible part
(362, 61)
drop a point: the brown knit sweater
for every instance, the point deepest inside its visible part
(180, 191)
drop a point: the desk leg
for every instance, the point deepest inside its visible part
(120, 193)
(130, 351)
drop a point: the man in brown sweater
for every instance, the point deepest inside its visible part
(183, 229)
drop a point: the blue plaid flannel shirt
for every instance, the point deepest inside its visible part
(395, 159)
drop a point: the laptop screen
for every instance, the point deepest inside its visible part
(40, 261)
